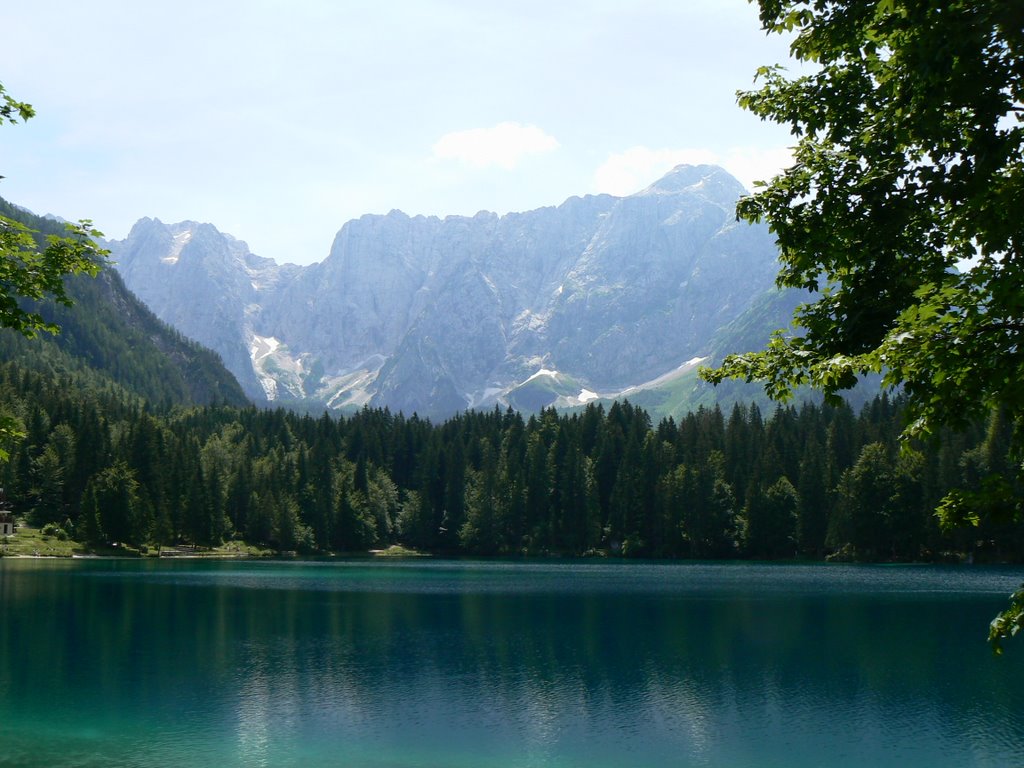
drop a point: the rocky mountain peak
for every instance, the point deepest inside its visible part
(434, 315)
(707, 181)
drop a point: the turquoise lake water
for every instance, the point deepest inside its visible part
(395, 664)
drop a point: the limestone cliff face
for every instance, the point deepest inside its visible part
(666, 268)
(204, 283)
(436, 315)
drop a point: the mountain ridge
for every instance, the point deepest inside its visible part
(434, 315)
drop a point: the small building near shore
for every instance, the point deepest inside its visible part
(6, 523)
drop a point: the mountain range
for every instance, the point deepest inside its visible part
(598, 297)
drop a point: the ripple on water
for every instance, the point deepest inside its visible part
(506, 664)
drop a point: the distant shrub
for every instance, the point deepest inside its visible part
(52, 529)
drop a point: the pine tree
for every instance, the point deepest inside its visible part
(112, 496)
(480, 533)
(813, 500)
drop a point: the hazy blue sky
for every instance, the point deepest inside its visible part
(278, 121)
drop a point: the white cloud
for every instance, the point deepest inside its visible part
(627, 172)
(504, 145)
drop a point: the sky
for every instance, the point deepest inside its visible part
(278, 121)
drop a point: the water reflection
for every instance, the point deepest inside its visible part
(468, 664)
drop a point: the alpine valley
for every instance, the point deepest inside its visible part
(600, 297)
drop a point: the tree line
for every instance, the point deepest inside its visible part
(809, 481)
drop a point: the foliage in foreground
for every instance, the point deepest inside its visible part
(910, 133)
(33, 267)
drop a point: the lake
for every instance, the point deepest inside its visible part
(402, 663)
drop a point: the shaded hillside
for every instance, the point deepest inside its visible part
(112, 334)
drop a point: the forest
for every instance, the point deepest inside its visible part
(101, 465)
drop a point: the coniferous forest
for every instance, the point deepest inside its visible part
(802, 482)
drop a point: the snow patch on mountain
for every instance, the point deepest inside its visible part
(180, 240)
(538, 374)
(263, 346)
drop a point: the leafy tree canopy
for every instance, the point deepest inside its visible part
(34, 268)
(11, 109)
(903, 212)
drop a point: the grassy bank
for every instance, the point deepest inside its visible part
(33, 542)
